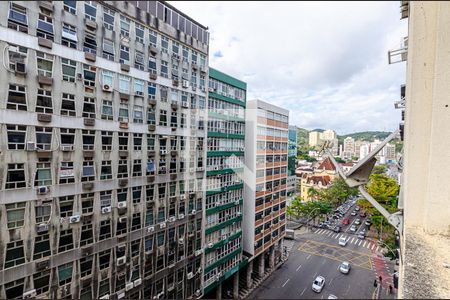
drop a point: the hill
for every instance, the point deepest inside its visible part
(368, 136)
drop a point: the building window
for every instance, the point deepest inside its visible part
(124, 54)
(45, 27)
(65, 273)
(41, 280)
(107, 78)
(138, 114)
(122, 170)
(89, 75)
(140, 33)
(153, 38)
(163, 91)
(43, 138)
(123, 111)
(107, 110)
(105, 233)
(105, 199)
(43, 212)
(16, 176)
(108, 18)
(17, 18)
(87, 236)
(137, 141)
(124, 26)
(16, 136)
(66, 206)
(43, 174)
(90, 10)
(139, 87)
(150, 142)
(124, 84)
(88, 171)
(107, 140)
(106, 171)
(139, 60)
(14, 254)
(152, 65)
(17, 97)
(151, 119)
(89, 107)
(108, 49)
(137, 171)
(163, 117)
(123, 141)
(151, 90)
(69, 68)
(164, 69)
(70, 6)
(69, 36)
(88, 139)
(90, 44)
(104, 258)
(174, 119)
(15, 214)
(164, 44)
(44, 64)
(66, 174)
(68, 105)
(16, 54)
(44, 102)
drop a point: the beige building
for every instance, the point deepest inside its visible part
(328, 135)
(314, 138)
(389, 152)
(349, 147)
(425, 189)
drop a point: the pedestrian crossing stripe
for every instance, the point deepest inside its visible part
(352, 240)
(337, 235)
(364, 243)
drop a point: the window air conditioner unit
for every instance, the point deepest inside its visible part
(106, 210)
(211, 89)
(181, 241)
(28, 295)
(43, 227)
(66, 148)
(203, 89)
(193, 212)
(105, 297)
(185, 83)
(139, 93)
(181, 216)
(42, 190)
(120, 295)
(190, 275)
(198, 293)
(31, 146)
(150, 229)
(198, 252)
(210, 245)
(128, 286)
(137, 282)
(182, 197)
(20, 67)
(172, 219)
(163, 152)
(122, 204)
(236, 202)
(238, 214)
(122, 219)
(121, 260)
(107, 88)
(162, 225)
(74, 219)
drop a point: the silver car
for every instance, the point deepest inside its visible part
(345, 267)
(353, 228)
(318, 284)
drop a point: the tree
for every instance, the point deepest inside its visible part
(337, 193)
(312, 193)
(339, 160)
(380, 169)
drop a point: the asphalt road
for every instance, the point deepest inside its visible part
(317, 252)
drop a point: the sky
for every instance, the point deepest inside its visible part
(326, 62)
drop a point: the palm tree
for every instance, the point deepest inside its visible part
(312, 193)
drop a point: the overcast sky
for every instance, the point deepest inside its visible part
(324, 61)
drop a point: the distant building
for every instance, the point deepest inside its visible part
(328, 135)
(320, 178)
(364, 150)
(349, 148)
(358, 145)
(314, 138)
(390, 153)
(292, 158)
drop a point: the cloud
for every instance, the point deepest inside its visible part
(324, 61)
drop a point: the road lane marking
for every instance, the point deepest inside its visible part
(308, 256)
(337, 235)
(298, 268)
(360, 243)
(303, 291)
(373, 246)
(365, 242)
(352, 240)
(378, 247)
(286, 282)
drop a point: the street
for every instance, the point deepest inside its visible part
(317, 252)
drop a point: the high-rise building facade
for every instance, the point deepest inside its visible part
(328, 135)
(292, 159)
(103, 156)
(314, 138)
(224, 170)
(265, 182)
(349, 148)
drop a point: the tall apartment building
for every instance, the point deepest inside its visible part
(292, 159)
(349, 148)
(225, 188)
(102, 168)
(314, 138)
(328, 135)
(265, 183)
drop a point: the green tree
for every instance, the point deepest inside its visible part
(339, 160)
(380, 169)
(337, 193)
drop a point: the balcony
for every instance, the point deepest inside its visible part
(399, 55)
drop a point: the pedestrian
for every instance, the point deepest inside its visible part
(380, 278)
(390, 289)
(375, 283)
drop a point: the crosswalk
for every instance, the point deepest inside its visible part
(351, 239)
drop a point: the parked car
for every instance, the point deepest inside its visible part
(361, 235)
(353, 213)
(368, 222)
(290, 234)
(357, 221)
(357, 208)
(318, 284)
(346, 221)
(362, 214)
(343, 241)
(337, 228)
(332, 296)
(353, 228)
(345, 267)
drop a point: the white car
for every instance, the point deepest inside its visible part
(357, 221)
(318, 284)
(344, 267)
(332, 296)
(343, 241)
(353, 228)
